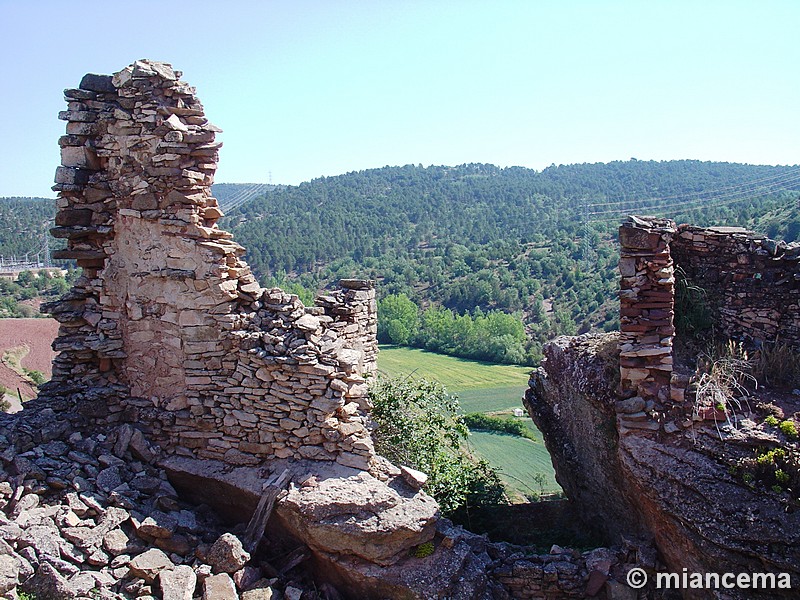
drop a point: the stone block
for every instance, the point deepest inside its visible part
(97, 83)
(177, 583)
(71, 176)
(80, 157)
(219, 587)
(149, 564)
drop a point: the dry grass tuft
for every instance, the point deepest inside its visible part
(777, 364)
(722, 379)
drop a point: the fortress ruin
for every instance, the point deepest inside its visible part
(167, 327)
(175, 362)
(748, 284)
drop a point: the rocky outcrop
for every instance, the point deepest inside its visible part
(679, 489)
(573, 401)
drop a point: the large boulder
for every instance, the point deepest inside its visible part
(352, 512)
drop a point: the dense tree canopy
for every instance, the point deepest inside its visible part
(452, 246)
(478, 237)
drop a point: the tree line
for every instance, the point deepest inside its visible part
(478, 237)
(494, 336)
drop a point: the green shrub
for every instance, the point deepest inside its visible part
(484, 422)
(419, 425)
(771, 421)
(36, 376)
(788, 428)
(774, 468)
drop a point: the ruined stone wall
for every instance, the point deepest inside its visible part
(167, 328)
(647, 298)
(751, 283)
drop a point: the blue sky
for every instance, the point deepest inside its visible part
(310, 88)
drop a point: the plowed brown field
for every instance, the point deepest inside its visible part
(34, 337)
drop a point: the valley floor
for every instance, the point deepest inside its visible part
(524, 464)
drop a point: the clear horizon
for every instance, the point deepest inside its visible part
(310, 89)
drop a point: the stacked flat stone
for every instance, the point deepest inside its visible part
(647, 297)
(559, 575)
(168, 328)
(355, 313)
(751, 282)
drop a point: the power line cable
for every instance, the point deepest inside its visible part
(696, 202)
(792, 172)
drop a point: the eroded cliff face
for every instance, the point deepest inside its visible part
(678, 488)
(572, 400)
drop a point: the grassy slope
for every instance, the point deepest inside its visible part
(518, 459)
(456, 374)
(482, 387)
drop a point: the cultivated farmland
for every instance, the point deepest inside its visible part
(486, 388)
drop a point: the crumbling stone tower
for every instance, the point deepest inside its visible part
(167, 328)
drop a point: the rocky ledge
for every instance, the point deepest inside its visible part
(680, 488)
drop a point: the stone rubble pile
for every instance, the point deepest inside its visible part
(90, 517)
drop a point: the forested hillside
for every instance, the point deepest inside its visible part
(450, 247)
(24, 222)
(481, 237)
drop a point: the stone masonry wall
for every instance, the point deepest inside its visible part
(647, 299)
(751, 283)
(167, 328)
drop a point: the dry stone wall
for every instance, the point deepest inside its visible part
(168, 328)
(749, 283)
(647, 298)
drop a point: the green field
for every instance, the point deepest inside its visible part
(493, 399)
(517, 459)
(456, 374)
(486, 388)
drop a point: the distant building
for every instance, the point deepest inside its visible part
(518, 412)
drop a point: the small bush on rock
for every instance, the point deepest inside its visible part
(774, 468)
(419, 425)
(788, 428)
